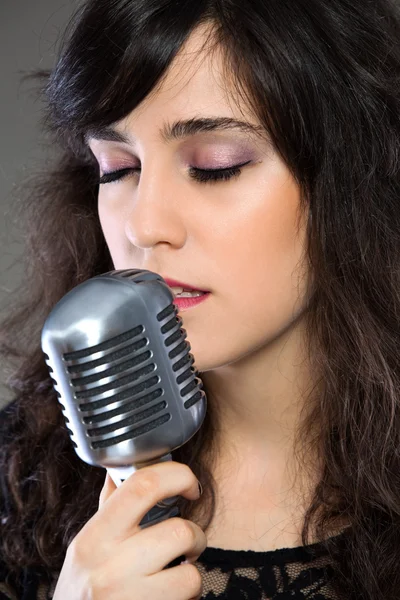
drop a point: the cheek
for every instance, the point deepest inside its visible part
(261, 247)
(277, 258)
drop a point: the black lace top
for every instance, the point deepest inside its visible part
(298, 573)
(283, 574)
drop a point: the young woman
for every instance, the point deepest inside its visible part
(249, 149)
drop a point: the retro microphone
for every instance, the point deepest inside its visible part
(124, 375)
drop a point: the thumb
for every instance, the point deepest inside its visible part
(108, 488)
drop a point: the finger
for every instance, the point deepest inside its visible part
(180, 583)
(153, 548)
(108, 488)
(132, 500)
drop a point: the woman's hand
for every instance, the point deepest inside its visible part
(111, 558)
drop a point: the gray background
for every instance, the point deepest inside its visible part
(29, 34)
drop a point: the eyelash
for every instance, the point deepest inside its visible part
(200, 175)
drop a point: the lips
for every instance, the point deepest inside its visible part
(181, 284)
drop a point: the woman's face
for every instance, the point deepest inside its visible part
(236, 237)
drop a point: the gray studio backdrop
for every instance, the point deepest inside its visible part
(29, 30)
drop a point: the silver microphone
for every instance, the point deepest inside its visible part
(124, 375)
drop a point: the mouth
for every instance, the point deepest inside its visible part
(184, 303)
(184, 290)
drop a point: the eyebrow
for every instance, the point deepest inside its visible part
(177, 130)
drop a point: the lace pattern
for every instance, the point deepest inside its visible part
(247, 575)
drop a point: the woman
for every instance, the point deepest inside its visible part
(250, 150)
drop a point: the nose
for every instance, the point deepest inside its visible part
(154, 214)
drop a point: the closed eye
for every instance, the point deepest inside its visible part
(200, 175)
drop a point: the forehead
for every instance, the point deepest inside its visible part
(196, 83)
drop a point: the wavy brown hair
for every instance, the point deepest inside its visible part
(323, 78)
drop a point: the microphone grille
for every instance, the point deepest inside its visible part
(116, 383)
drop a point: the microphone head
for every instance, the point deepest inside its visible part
(122, 369)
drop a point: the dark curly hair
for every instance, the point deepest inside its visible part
(323, 79)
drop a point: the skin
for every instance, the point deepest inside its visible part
(238, 239)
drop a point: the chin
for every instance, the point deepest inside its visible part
(210, 357)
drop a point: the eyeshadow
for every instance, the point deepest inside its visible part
(219, 156)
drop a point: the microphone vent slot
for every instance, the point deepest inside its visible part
(111, 343)
(182, 350)
(132, 433)
(126, 273)
(55, 383)
(131, 420)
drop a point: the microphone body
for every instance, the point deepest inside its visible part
(124, 375)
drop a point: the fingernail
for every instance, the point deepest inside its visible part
(185, 562)
(200, 487)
